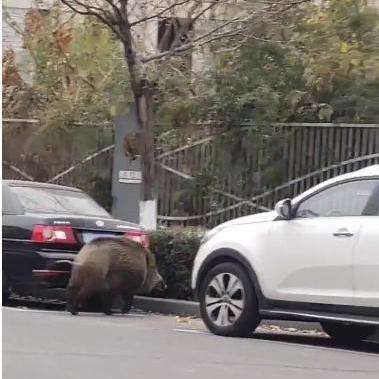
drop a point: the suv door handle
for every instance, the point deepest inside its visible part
(343, 232)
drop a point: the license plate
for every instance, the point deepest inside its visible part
(88, 237)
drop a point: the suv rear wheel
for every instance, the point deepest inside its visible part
(228, 303)
(347, 333)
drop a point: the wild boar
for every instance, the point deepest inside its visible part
(108, 267)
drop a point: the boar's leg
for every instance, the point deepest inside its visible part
(72, 301)
(111, 291)
(127, 299)
(109, 294)
(79, 297)
(107, 302)
(95, 302)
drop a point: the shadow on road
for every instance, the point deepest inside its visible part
(44, 304)
(34, 304)
(362, 347)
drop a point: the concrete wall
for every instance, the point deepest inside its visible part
(14, 12)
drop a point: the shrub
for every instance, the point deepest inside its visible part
(175, 250)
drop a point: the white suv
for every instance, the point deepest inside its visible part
(315, 258)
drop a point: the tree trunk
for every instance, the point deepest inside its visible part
(144, 113)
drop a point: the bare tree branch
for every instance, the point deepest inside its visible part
(160, 13)
(116, 10)
(185, 28)
(87, 10)
(123, 8)
(192, 43)
(85, 5)
(214, 35)
(206, 9)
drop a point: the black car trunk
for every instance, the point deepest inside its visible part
(86, 228)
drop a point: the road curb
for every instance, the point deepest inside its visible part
(192, 308)
(167, 306)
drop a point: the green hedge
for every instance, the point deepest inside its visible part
(175, 250)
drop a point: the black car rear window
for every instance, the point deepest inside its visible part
(10, 203)
(57, 201)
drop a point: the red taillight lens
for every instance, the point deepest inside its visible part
(54, 234)
(139, 237)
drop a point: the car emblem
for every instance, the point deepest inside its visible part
(99, 223)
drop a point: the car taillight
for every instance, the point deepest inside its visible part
(139, 237)
(54, 234)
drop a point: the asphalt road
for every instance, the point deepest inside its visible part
(51, 344)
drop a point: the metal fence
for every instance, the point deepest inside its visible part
(206, 182)
(199, 187)
(81, 156)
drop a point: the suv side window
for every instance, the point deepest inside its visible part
(372, 205)
(341, 200)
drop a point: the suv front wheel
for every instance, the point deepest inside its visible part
(346, 332)
(228, 302)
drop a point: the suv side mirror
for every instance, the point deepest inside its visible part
(284, 209)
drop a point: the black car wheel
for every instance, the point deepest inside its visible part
(6, 292)
(228, 303)
(347, 333)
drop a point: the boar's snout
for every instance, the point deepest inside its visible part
(159, 283)
(161, 286)
(153, 282)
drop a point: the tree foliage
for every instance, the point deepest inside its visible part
(180, 21)
(78, 72)
(314, 63)
(78, 77)
(341, 59)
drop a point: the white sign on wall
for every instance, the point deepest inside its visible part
(131, 177)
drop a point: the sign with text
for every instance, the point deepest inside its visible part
(130, 177)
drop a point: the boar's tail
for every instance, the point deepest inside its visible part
(150, 259)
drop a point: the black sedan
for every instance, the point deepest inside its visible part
(44, 227)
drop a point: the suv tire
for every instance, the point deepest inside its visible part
(228, 303)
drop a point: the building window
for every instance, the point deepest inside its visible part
(173, 32)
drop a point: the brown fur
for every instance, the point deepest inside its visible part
(109, 267)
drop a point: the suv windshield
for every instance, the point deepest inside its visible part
(60, 201)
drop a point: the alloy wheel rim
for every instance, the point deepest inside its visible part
(225, 299)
